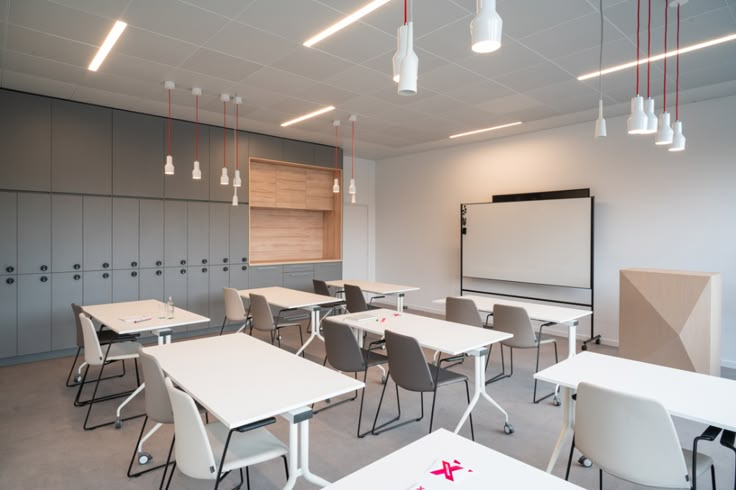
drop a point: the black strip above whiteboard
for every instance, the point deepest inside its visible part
(537, 196)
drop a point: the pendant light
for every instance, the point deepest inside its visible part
(352, 189)
(600, 123)
(196, 172)
(664, 133)
(410, 63)
(224, 179)
(652, 121)
(169, 167)
(678, 139)
(336, 183)
(236, 180)
(486, 27)
(637, 121)
(401, 40)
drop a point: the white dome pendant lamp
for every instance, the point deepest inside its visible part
(678, 138)
(196, 171)
(486, 27)
(224, 179)
(410, 63)
(352, 190)
(336, 182)
(664, 132)
(600, 123)
(236, 179)
(637, 121)
(169, 166)
(652, 121)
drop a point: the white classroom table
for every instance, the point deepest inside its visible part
(440, 335)
(694, 396)
(210, 369)
(409, 468)
(287, 299)
(380, 288)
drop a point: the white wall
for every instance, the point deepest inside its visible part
(653, 208)
(365, 176)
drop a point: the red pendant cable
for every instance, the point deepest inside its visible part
(169, 124)
(224, 134)
(664, 96)
(337, 151)
(638, 15)
(352, 123)
(236, 136)
(649, 44)
(677, 71)
(196, 128)
(405, 10)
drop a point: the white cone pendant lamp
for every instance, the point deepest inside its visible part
(664, 132)
(196, 171)
(409, 65)
(678, 138)
(169, 166)
(401, 39)
(336, 182)
(352, 189)
(637, 121)
(235, 196)
(224, 179)
(600, 123)
(652, 121)
(486, 27)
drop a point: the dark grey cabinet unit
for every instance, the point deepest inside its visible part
(219, 233)
(240, 277)
(125, 285)
(175, 285)
(298, 152)
(219, 279)
(66, 233)
(198, 241)
(175, 233)
(299, 277)
(328, 271)
(263, 276)
(25, 152)
(81, 142)
(239, 234)
(66, 288)
(262, 146)
(181, 185)
(9, 235)
(97, 233)
(97, 287)
(125, 233)
(220, 142)
(198, 293)
(139, 154)
(34, 233)
(324, 156)
(151, 233)
(151, 284)
(34, 313)
(8, 316)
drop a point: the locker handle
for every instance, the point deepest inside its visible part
(183, 262)
(225, 269)
(44, 268)
(134, 264)
(158, 263)
(300, 273)
(204, 261)
(244, 267)
(225, 260)
(9, 269)
(134, 274)
(158, 273)
(204, 269)
(245, 259)
(105, 275)
(105, 265)
(10, 280)
(44, 278)
(77, 277)
(77, 267)
(183, 271)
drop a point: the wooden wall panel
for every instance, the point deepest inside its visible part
(286, 235)
(319, 190)
(262, 184)
(291, 187)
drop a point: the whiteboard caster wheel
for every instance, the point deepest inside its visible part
(556, 401)
(118, 423)
(144, 458)
(585, 461)
(508, 428)
(77, 379)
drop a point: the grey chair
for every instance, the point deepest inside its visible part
(344, 354)
(463, 310)
(515, 320)
(235, 311)
(321, 288)
(355, 301)
(409, 370)
(263, 319)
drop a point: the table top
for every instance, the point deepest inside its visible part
(700, 397)
(536, 311)
(241, 379)
(290, 298)
(449, 337)
(411, 467)
(373, 287)
(111, 314)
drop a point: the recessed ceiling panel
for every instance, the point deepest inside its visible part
(220, 65)
(175, 19)
(251, 44)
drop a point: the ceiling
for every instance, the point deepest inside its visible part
(253, 48)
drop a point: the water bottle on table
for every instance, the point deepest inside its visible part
(170, 308)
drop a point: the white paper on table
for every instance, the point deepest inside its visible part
(136, 318)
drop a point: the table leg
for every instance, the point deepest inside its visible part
(299, 448)
(572, 334)
(567, 420)
(400, 302)
(479, 390)
(315, 330)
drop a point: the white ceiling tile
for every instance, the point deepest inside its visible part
(703, 27)
(102, 97)
(511, 57)
(257, 96)
(512, 103)
(571, 37)
(360, 80)
(623, 16)
(150, 46)
(37, 85)
(219, 65)
(390, 94)
(251, 44)
(522, 18)
(357, 43)
(614, 53)
(717, 73)
(434, 104)
(311, 63)
(110, 9)
(293, 20)
(448, 79)
(534, 77)
(369, 106)
(121, 85)
(136, 68)
(451, 42)
(278, 81)
(563, 90)
(294, 107)
(175, 19)
(59, 20)
(270, 116)
(186, 79)
(40, 67)
(426, 19)
(325, 94)
(48, 46)
(477, 93)
(227, 8)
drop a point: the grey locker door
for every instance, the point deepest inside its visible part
(34, 233)
(125, 229)
(66, 288)
(151, 233)
(97, 287)
(151, 284)
(97, 233)
(34, 313)
(239, 234)
(8, 316)
(181, 185)
(175, 233)
(263, 276)
(81, 138)
(239, 277)
(262, 146)
(9, 235)
(198, 293)
(124, 285)
(328, 271)
(219, 233)
(198, 227)
(298, 152)
(139, 154)
(299, 277)
(219, 279)
(25, 153)
(175, 285)
(66, 233)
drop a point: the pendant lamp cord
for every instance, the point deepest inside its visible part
(352, 124)
(337, 141)
(600, 56)
(649, 44)
(405, 11)
(169, 124)
(237, 160)
(638, 16)
(664, 90)
(196, 128)
(224, 135)
(677, 70)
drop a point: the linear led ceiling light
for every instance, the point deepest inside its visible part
(308, 116)
(110, 41)
(346, 21)
(486, 129)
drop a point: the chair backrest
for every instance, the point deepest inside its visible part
(406, 363)
(462, 310)
(92, 350)
(261, 313)
(514, 320)
(234, 309)
(77, 310)
(320, 287)
(341, 346)
(194, 455)
(354, 299)
(158, 403)
(629, 436)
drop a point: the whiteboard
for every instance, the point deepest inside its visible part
(541, 242)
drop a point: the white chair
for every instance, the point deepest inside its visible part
(633, 438)
(235, 311)
(211, 452)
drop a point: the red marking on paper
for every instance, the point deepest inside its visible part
(448, 469)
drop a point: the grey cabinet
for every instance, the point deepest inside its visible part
(239, 234)
(324, 156)
(97, 287)
(66, 233)
(34, 233)
(219, 279)
(299, 277)
(151, 235)
(262, 146)
(25, 152)
(8, 232)
(138, 155)
(219, 233)
(217, 147)
(175, 285)
(240, 277)
(81, 138)
(198, 293)
(34, 313)
(66, 288)
(175, 233)
(97, 233)
(328, 271)
(181, 185)
(198, 240)
(263, 276)
(8, 316)
(125, 233)
(297, 152)
(151, 284)
(125, 285)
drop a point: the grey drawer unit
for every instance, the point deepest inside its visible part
(299, 276)
(198, 293)
(34, 313)
(328, 271)
(240, 276)
(262, 276)
(66, 288)
(175, 285)
(9, 233)
(175, 233)
(125, 233)
(151, 236)
(97, 288)
(8, 316)
(219, 279)
(66, 233)
(125, 285)
(219, 233)
(198, 240)
(297, 152)
(34, 233)
(269, 147)
(151, 284)
(239, 234)
(97, 233)
(181, 185)
(139, 154)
